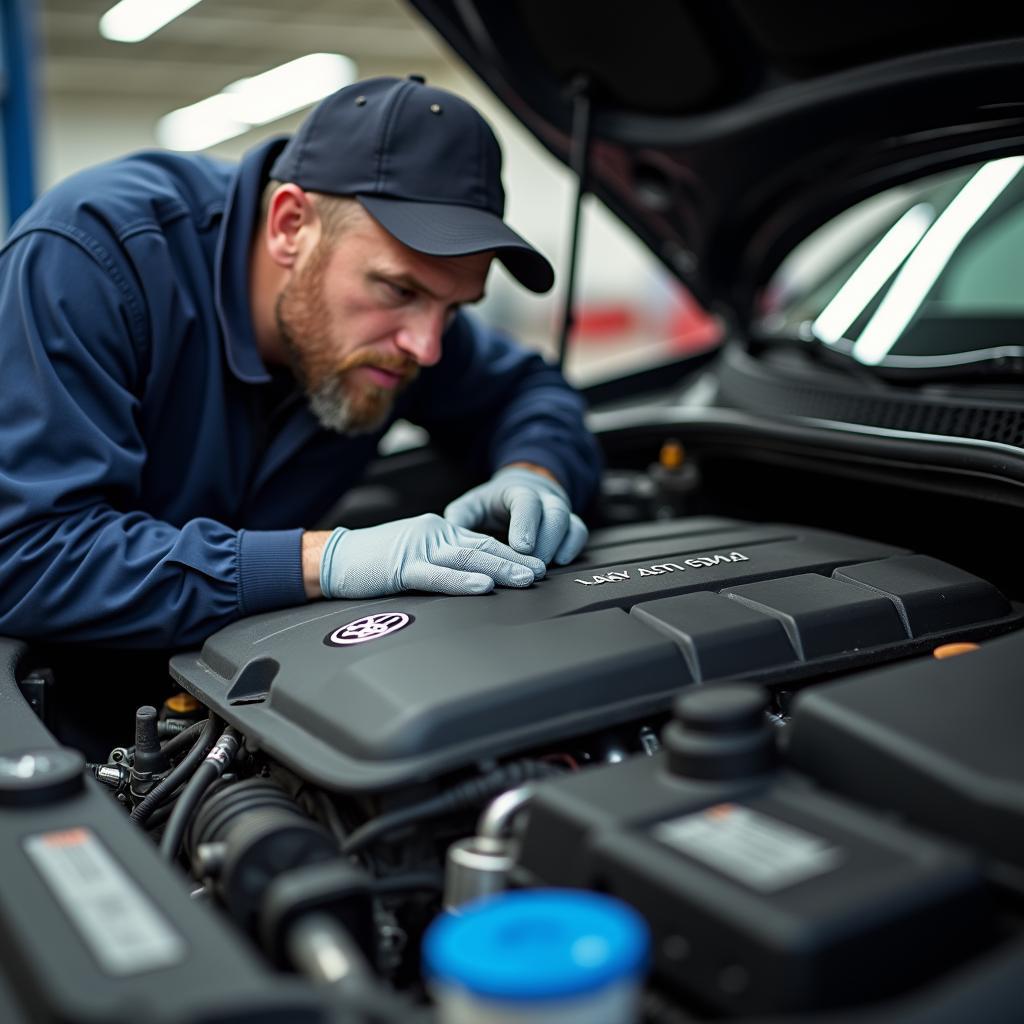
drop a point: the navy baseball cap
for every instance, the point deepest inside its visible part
(422, 162)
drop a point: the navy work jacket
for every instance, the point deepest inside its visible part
(153, 485)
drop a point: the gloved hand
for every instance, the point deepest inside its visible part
(424, 553)
(535, 510)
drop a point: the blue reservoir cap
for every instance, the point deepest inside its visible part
(537, 944)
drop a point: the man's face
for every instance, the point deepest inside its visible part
(361, 315)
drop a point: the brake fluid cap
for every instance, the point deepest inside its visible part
(538, 955)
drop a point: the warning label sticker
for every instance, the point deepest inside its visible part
(755, 849)
(118, 922)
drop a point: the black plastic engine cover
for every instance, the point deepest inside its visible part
(764, 894)
(366, 695)
(938, 742)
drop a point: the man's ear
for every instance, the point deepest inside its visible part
(292, 226)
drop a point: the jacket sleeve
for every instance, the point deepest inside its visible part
(79, 562)
(493, 402)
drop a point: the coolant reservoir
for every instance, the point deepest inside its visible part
(540, 956)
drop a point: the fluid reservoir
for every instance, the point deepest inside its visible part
(540, 956)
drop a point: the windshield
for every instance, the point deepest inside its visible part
(927, 274)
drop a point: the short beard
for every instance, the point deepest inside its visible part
(337, 401)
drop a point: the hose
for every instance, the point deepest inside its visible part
(183, 738)
(158, 817)
(414, 881)
(212, 768)
(470, 793)
(163, 789)
(170, 729)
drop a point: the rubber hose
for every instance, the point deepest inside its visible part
(179, 741)
(170, 842)
(470, 793)
(418, 881)
(163, 789)
(158, 817)
(205, 776)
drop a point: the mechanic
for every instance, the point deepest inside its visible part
(198, 359)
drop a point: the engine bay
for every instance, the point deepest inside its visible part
(747, 732)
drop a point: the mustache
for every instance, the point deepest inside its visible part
(392, 362)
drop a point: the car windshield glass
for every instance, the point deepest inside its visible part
(926, 274)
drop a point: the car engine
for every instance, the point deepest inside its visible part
(750, 733)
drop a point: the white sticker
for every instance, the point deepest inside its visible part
(762, 852)
(118, 922)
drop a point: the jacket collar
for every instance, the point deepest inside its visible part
(231, 269)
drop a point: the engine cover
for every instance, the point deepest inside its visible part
(368, 695)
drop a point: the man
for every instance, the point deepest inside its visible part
(198, 360)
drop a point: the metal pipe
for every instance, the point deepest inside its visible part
(324, 951)
(480, 865)
(498, 815)
(579, 156)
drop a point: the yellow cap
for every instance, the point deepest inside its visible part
(952, 650)
(182, 704)
(672, 455)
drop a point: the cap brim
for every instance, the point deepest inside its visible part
(444, 229)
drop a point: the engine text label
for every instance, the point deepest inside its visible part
(700, 562)
(113, 915)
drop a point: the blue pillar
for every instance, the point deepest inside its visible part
(17, 106)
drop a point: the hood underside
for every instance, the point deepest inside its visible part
(724, 133)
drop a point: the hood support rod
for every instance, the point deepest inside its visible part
(579, 160)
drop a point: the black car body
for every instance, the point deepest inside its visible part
(782, 512)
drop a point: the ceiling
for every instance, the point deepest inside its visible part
(219, 41)
(100, 99)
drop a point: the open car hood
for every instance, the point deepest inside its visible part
(724, 133)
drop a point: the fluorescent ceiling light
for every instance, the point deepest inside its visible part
(867, 280)
(131, 21)
(250, 102)
(200, 125)
(927, 261)
(290, 87)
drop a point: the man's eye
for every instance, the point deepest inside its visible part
(399, 292)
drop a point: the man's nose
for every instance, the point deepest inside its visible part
(420, 338)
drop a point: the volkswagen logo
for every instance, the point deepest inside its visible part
(369, 627)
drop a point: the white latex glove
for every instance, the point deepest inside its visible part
(534, 510)
(423, 553)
